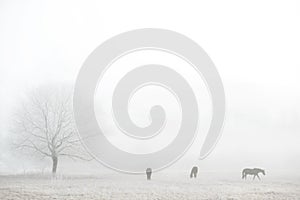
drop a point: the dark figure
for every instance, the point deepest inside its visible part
(194, 172)
(148, 172)
(253, 172)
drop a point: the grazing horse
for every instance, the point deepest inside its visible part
(253, 172)
(194, 172)
(149, 173)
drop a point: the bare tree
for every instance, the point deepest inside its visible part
(45, 125)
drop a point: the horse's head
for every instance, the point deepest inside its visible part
(263, 171)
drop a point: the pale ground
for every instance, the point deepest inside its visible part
(131, 187)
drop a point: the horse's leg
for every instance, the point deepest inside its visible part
(258, 177)
(254, 176)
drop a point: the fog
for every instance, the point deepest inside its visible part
(255, 49)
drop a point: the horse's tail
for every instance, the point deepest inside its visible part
(191, 175)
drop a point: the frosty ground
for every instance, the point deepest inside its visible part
(162, 186)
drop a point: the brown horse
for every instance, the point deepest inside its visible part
(194, 172)
(253, 172)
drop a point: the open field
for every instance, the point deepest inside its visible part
(130, 187)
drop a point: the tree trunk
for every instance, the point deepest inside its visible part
(54, 165)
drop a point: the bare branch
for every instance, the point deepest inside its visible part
(45, 125)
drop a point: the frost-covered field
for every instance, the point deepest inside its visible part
(163, 186)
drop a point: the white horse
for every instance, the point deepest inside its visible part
(253, 172)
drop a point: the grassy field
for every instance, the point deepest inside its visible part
(131, 187)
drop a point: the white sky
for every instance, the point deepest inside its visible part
(254, 44)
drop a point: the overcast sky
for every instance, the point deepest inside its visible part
(254, 44)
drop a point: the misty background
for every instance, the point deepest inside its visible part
(254, 45)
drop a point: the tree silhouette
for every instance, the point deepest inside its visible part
(45, 125)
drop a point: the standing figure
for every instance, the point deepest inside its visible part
(148, 172)
(194, 172)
